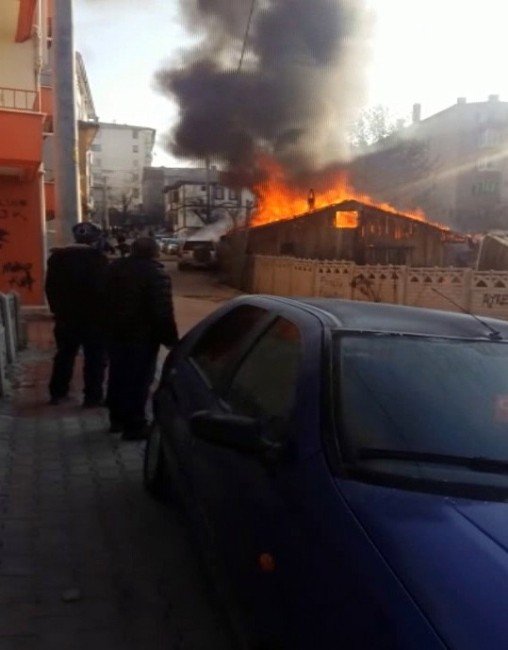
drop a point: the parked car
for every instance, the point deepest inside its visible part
(197, 253)
(344, 469)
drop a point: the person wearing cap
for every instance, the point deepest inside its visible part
(141, 319)
(75, 289)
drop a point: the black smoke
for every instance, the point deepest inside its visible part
(301, 76)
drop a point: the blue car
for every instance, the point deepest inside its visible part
(344, 469)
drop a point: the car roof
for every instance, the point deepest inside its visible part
(382, 317)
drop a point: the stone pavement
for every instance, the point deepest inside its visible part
(87, 560)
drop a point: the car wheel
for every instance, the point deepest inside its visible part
(155, 475)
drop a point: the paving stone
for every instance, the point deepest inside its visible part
(74, 515)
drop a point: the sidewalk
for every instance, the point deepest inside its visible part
(87, 560)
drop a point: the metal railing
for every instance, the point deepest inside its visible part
(17, 99)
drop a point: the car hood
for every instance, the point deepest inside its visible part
(450, 554)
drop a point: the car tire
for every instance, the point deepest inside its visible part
(155, 475)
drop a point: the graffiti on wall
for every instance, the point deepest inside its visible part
(19, 274)
(13, 209)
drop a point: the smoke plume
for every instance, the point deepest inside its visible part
(301, 75)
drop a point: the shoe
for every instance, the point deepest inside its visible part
(55, 401)
(116, 427)
(93, 403)
(135, 434)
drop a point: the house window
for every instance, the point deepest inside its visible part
(218, 192)
(135, 148)
(96, 147)
(175, 196)
(233, 195)
(135, 135)
(135, 193)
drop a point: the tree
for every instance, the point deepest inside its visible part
(372, 125)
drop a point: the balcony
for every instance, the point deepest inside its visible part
(18, 99)
(20, 131)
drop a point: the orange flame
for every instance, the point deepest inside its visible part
(278, 201)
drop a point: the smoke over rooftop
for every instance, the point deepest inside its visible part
(301, 75)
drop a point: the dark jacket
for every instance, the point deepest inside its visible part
(140, 304)
(76, 284)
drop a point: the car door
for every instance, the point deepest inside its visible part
(253, 503)
(189, 383)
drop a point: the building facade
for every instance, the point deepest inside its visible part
(120, 152)
(195, 198)
(453, 165)
(24, 110)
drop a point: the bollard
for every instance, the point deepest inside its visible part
(9, 325)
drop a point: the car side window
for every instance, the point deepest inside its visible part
(222, 341)
(264, 385)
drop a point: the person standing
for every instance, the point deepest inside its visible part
(75, 288)
(141, 318)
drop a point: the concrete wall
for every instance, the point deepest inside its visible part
(484, 293)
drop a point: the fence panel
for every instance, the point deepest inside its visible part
(333, 279)
(379, 284)
(263, 270)
(489, 294)
(302, 278)
(282, 271)
(436, 288)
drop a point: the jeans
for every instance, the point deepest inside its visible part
(69, 338)
(131, 373)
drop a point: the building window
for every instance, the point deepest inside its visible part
(135, 178)
(218, 192)
(485, 164)
(135, 135)
(135, 193)
(96, 147)
(203, 188)
(485, 187)
(175, 196)
(233, 195)
(489, 138)
(135, 148)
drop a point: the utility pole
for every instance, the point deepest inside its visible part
(67, 195)
(208, 203)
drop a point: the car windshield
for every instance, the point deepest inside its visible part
(428, 408)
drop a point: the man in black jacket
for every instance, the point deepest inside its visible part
(75, 288)
(140, 308)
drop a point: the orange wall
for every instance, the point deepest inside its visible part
(21, 239)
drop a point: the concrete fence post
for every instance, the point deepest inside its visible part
(468, 289)
(404, 280)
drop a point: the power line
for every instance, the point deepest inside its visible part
(247, 30)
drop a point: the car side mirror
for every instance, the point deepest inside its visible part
(238, 432)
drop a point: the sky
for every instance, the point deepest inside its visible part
(428, 52)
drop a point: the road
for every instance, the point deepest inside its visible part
(87, 559)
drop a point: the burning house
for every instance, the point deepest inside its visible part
(355, 231)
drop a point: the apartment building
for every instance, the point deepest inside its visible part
(453, 165)
(24, 118)
(197, 197)
(120, 152)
